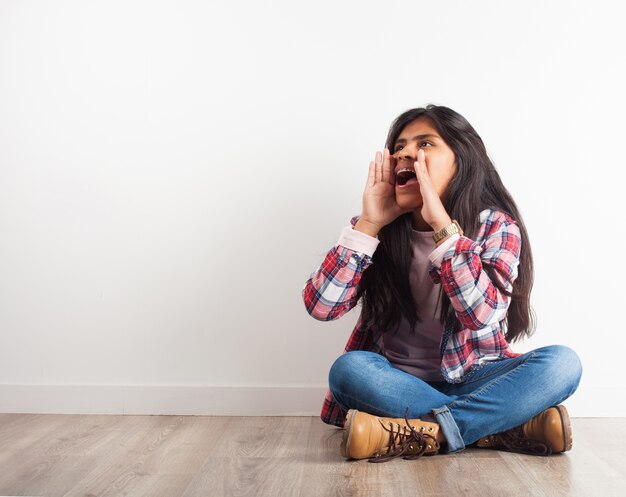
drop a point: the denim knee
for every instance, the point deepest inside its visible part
(564, 365)
(346, 366)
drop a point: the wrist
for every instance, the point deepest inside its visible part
(443, 240)
(444, 233)
(441, 223)
(364, 226)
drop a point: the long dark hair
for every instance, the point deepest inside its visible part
(476, 186)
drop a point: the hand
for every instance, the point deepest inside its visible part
(379, 198)
(433, 211)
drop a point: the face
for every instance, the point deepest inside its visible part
(440, 160)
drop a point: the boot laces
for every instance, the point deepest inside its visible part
(515, 441)
(404, 440)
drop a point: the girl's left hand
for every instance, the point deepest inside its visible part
(433, 211)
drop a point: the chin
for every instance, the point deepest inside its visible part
(409, 203)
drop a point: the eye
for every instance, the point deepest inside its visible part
(399, 147)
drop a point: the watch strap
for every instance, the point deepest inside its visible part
(452, 228)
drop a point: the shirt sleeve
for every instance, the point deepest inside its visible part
(330, 290)
(358, 241)
(478, 303)
(436, 255)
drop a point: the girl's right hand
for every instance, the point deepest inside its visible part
(379, 198)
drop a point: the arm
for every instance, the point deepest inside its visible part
(330, 291)
(477, 301)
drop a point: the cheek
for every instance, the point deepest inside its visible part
(440, 181)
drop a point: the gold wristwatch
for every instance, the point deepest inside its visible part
(448, 230)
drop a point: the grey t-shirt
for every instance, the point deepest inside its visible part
(417, 351)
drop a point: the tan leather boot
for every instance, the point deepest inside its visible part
(549, 432)
(381, 439)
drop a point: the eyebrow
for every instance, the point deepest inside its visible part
(416, 137)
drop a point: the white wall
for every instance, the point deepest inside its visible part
(172, 172)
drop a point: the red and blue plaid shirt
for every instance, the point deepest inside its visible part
(473, 331)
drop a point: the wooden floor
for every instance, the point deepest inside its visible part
(101, 455)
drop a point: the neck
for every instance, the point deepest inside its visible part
(418, 222)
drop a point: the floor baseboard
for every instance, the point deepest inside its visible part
(227, 401)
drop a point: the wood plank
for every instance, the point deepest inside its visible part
(130, 465)
(257, 456)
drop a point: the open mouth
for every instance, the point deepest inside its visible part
(406, 177)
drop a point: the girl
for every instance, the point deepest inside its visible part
(441, 259)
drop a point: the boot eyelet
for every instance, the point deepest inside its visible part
(421, 428)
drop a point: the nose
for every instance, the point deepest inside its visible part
(406, 153)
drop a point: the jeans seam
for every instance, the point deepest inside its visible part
(485, 388)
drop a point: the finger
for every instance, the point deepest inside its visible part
(379, 167)
(371, 176)
(386, 166)
(419, 172)
(426, 187)
(420, 165)
(421, 157)
(392, 169)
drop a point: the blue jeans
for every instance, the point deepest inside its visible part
(497, 397)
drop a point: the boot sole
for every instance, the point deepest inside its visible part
(344, 448)
(567, 427)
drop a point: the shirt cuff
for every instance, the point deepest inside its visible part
(358, 241)
(436, 256)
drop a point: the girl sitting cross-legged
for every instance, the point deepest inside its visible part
(440, 259)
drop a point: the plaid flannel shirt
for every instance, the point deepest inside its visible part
(473, 328)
